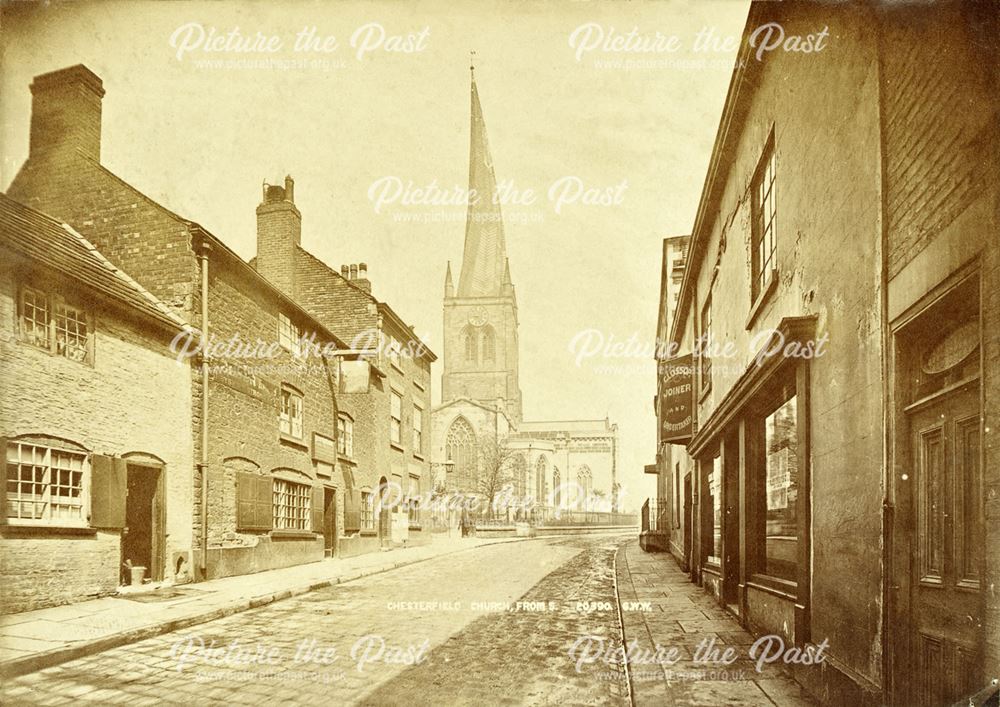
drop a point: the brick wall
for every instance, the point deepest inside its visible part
(102, 408)
(940, 118)
(155, 247)
(353, 313)
(243, 410)
(943, 202)
(135, 233)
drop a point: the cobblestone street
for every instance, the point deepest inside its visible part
(526, 623)
(449, 615)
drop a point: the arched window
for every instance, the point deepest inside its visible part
(585, 480)
(461, 448)
(489, 343)
(471, 347)
(556, 487)
(541, 469)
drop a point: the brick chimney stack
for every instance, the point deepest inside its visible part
(66, 112)
(279, 234)
(357, 273)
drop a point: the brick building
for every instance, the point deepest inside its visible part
(384, 407)
(267, 490)
(90, 451)
(850, 496)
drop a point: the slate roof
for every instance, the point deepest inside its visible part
(43, 239)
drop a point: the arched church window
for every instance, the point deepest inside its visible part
(471, 347)
(541, 469)
(556, 487)
(489, 344)
(585, 480)
(461, 448)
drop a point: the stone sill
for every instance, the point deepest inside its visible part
(292, 535)
(293, 442)
(13, 529)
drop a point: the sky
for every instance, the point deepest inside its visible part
(600, 116)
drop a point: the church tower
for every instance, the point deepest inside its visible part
(480, 317)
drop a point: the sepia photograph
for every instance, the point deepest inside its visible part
(500, 352)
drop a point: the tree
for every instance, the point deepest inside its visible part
(496, 469)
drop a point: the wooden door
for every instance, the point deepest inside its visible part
(687, 522)
(946, 633)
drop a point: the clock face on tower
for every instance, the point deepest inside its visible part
(479, 316)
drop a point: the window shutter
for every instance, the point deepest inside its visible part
(352, 505)
(245, 508)
(108, 488)
(318, 495)
(264, 503)
(253, 502)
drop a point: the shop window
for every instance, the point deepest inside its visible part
(775, 484)
(713, 509)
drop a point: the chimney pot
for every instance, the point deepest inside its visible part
(363, 271)
(345, 272)
(289, 188)
(354, 272)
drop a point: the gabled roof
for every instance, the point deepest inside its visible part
(474, 403)
(45, 240)
(219, 246)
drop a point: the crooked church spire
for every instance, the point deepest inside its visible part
(485, 255)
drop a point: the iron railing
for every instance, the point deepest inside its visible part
(654, 516)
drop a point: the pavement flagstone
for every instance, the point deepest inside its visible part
(681, 615)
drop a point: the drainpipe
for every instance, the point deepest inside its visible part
(203, 465)
(889, 652)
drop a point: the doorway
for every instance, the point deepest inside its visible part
(687, 522)
(938, 548)
(143, 537)
(329, 522)
(384, 515)
(732, 555)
